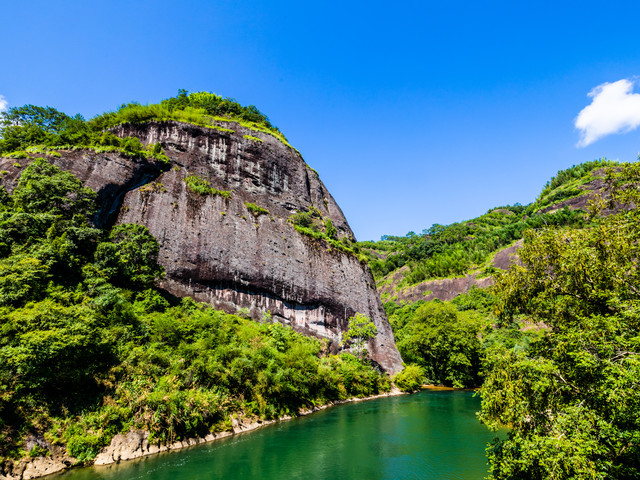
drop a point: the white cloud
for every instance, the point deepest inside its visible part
(614, 109)
(3, 103)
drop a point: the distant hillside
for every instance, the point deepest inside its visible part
(446, 260)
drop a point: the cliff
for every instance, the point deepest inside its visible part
(235, 245)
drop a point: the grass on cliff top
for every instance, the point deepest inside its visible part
(30, 125)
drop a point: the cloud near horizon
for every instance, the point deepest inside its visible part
(614, 109)
(3, 103)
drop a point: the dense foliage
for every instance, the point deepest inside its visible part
(410, 379)
(89, 348)
(442, 340)
(571, 399)
(571, 175)
(31, 129)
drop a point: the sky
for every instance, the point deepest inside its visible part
(413, 113)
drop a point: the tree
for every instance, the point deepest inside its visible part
(361, 330)
(130, 257)
(442, 340)
(28, 125)
(571, 400)
(44, 188)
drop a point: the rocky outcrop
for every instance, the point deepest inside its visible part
(56, 460)
(217, 248)
(598, 187)
(442, 289)
(135, 444)
(508, 256)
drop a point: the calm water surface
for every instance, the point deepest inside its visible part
(429, 435)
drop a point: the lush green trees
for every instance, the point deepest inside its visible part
(442, 340)
(44, 188)
(571, 399)
(130, 258)
(410, 379)
(457, 249)
(361, 329)
(32, 126)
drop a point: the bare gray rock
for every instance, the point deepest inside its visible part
(27, 468)
(216, 250)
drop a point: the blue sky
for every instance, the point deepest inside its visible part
(413, 113)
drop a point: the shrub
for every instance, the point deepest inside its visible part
(410, 379)
(256, 209)
(202, 187)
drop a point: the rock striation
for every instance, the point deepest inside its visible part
(219, 248)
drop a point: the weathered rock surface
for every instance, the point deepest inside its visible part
(508, 256)
(56, 461)
(215, 249)
(135, 444)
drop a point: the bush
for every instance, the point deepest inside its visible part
(410, 379)
(202, 187)
(256, 209)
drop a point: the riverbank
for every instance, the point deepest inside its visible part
(431, 434)
(135, 444)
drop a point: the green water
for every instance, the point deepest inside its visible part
(430, 435)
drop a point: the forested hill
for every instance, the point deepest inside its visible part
(445, 260)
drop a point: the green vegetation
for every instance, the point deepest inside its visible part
(467, 247)
(30, 129)
(200, 108)
(361, 329)
(571, 398)
(202, 187)
(410, 379)
(459, 248)
(443, 341)
(251, 137)
(554, 344)
(571, 177)
(312, 224)
(256, 209)
(89, 348)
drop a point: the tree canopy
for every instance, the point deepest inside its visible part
(571, 399)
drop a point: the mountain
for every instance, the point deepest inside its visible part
(111, 227)
(242, 222)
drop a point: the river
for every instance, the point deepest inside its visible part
(429, 435)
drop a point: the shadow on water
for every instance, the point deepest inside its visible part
(429, 435)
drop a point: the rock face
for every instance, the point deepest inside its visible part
(55, 461)
(221, 251)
